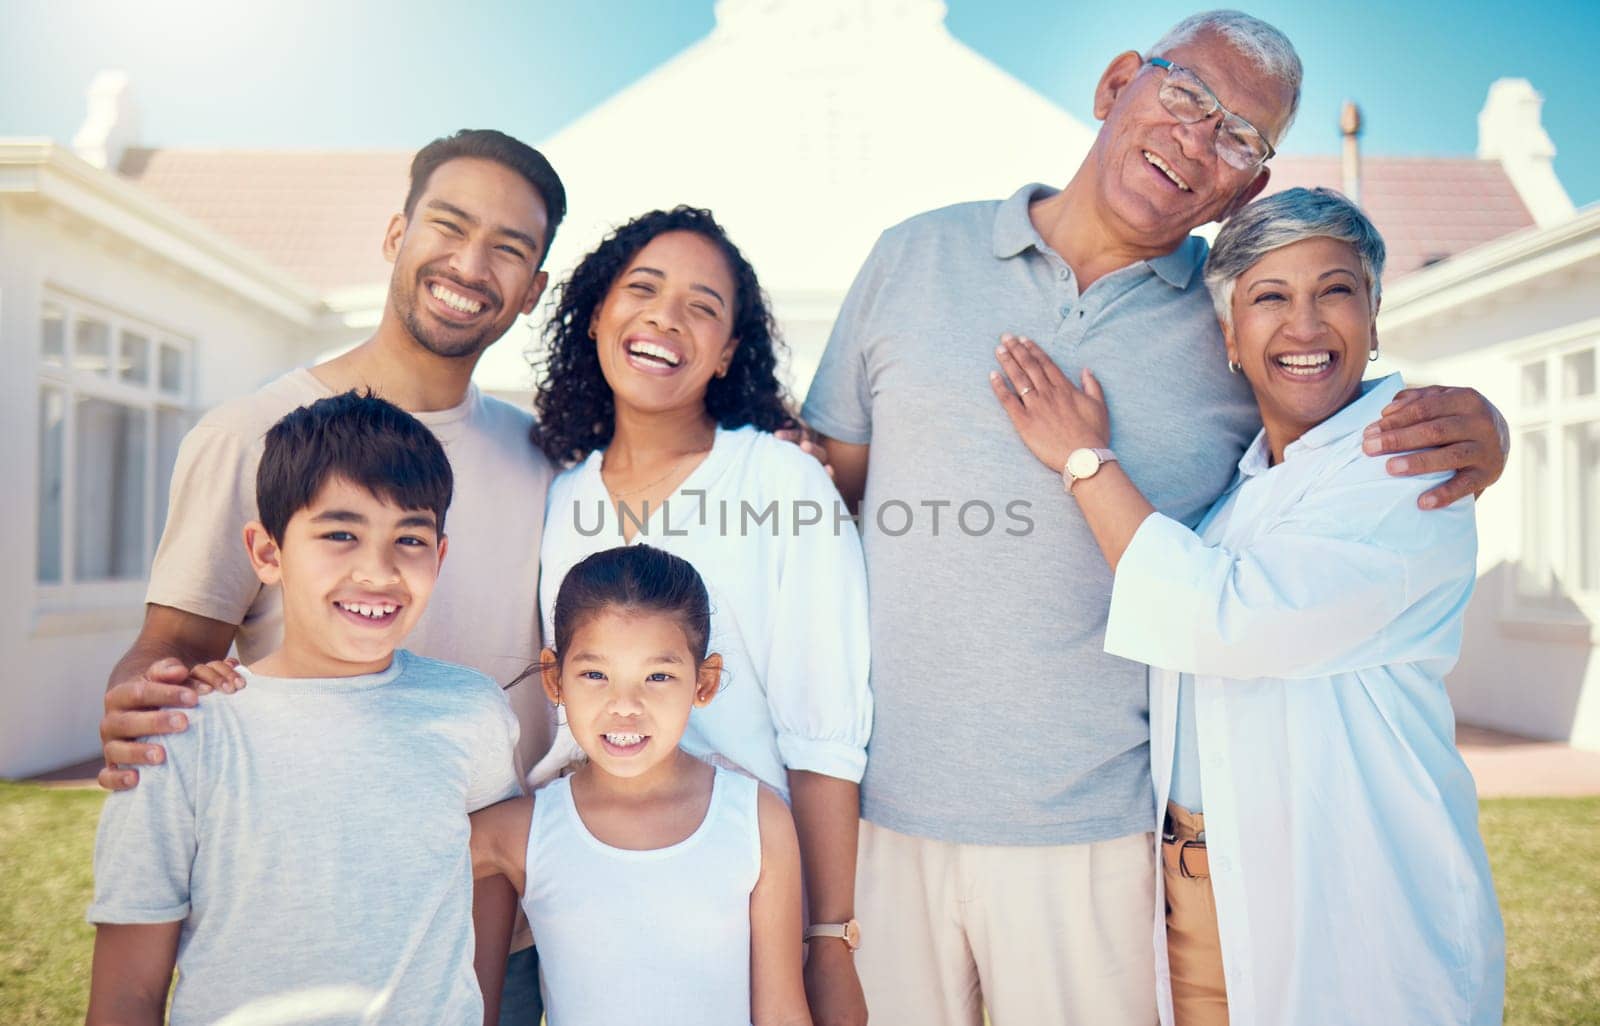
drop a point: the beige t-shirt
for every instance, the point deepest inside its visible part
(484, 612)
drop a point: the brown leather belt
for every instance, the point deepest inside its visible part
(1183, 844)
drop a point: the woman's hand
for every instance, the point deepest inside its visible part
(1052, 415)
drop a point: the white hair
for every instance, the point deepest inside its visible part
(1283, 219)
(1253, 38)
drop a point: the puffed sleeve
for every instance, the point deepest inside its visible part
(816, 672)
(1353, 576)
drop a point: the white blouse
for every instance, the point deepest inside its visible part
(1318, 610)
(763, 524)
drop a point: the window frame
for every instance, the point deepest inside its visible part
(70, 592)
(1560, 533)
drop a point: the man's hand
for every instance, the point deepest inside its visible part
(832, 987)
(1452, 429)
(154, 675)
(809, 442)
(138, 707)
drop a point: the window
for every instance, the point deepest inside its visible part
(114, 401)
(1558, 446)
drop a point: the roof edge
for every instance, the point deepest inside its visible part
(1492, 267)
(46, 169)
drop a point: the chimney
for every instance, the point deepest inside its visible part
(1511, 131)
(1350, 128)
(112, 124)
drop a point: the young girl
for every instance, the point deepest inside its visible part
(661, 889)
(660, 390)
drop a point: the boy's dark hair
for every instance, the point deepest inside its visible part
(634, 577)
(357, 436)
(488, 144)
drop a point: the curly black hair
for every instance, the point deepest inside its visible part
(575, 408)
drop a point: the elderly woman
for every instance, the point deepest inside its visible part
(1321, 861)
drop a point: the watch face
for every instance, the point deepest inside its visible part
(852, 934)
(1082, 463)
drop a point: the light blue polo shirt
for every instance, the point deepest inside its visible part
(998, 717)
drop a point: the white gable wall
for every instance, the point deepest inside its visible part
(61, 641)
(776, 122)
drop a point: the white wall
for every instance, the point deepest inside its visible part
(57, 654)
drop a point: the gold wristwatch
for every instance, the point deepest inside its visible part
(848, 931)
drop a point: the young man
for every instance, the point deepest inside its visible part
(304, 847)
(467, 250)
(1016, 869)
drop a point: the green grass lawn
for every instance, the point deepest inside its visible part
(1546, 856)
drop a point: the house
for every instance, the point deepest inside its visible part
(140, 285)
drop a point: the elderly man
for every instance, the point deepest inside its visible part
(1006, 856)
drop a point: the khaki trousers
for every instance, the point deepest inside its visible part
(1194, 949)
(1040, 935)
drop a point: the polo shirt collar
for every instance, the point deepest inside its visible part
(1177, 268)
(1013, 229)
(1014, 233)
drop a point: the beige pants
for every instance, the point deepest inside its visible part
(1194, 949)
(1040, 935)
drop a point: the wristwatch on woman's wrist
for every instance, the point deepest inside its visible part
(1082, 463)
(848, 931)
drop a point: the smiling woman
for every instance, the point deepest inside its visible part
(660, 391)
(1301, 738)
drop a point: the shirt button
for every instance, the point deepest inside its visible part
(1066, 310)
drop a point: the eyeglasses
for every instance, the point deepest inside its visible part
(1189, 100)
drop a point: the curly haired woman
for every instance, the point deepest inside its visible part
(659, 391)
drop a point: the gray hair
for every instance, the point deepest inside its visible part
(1283, 219)
(1253, 38)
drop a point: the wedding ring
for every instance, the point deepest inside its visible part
(1024, 392)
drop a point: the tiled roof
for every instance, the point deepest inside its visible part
(1427, 208)
(320, 215)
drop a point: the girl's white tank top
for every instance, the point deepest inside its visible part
(659, 936)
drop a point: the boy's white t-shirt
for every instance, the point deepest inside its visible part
(312, 835)
(484, 612)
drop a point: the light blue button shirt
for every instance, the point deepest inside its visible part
(1317, 609)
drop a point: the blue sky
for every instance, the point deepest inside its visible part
(364, 73)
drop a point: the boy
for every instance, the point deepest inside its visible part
(302, 854)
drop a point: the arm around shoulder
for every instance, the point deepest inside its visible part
(132, 973)
(849, 462)
(1312, 594)
(777, 990)
(152, 676)
(500, 841)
